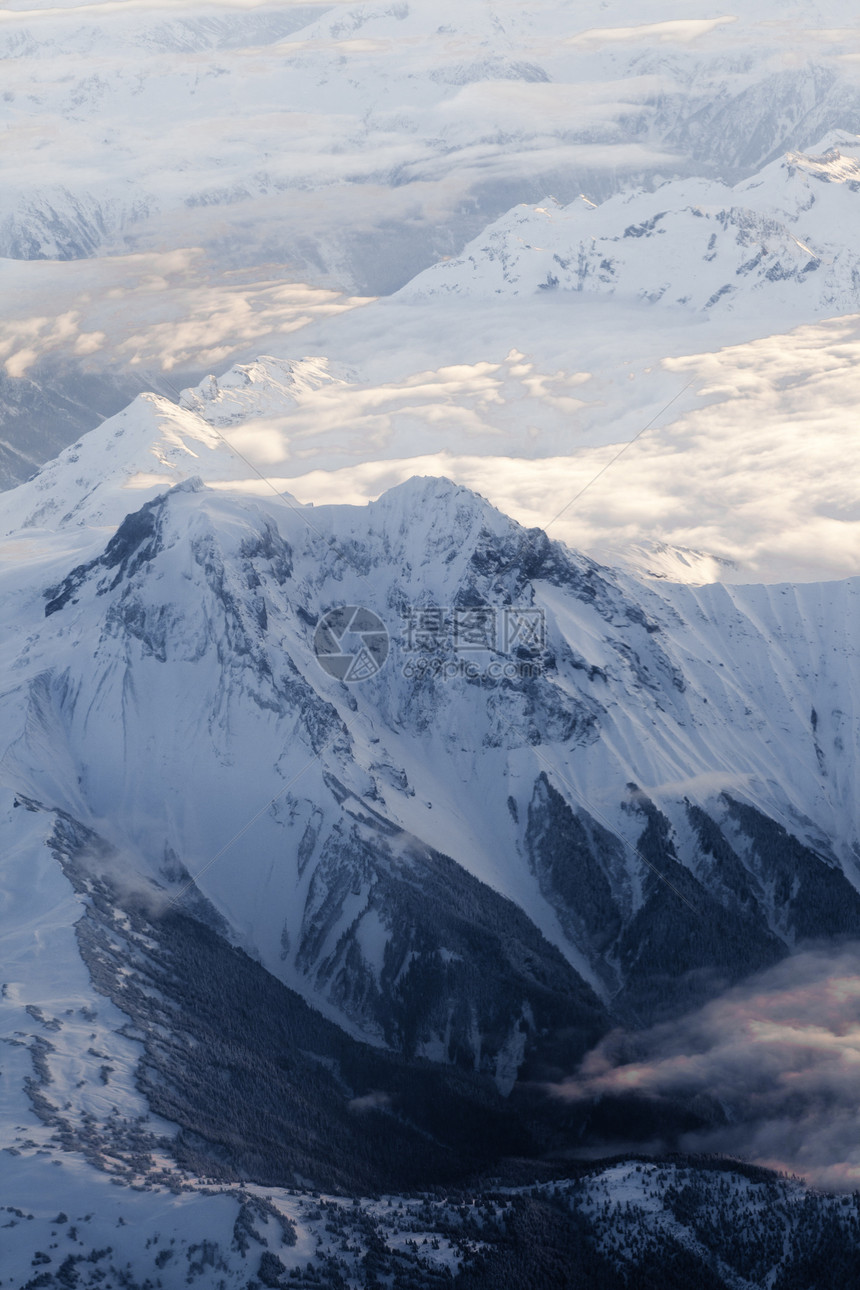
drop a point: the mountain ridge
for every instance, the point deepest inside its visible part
(691, 243)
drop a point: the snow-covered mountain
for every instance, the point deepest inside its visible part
(727, 1224)
(774, 245)
(632, 771)
(526, 394)
(475, 860)
(728, 464)
(569, 799)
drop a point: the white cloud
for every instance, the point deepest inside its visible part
(77, 9)
(757, 463)
(677, 30)
(152, 311)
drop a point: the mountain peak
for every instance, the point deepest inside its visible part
(834, 160)
(429, 489)
(434, 510)
(154, 444)
(265, 387)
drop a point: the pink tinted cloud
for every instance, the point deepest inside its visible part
(781, 1053)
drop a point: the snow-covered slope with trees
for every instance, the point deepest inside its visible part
(474, 871)
(730, 1226)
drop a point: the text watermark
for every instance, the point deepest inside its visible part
(436, 642)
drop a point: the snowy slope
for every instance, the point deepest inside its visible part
(479, 859)
(734, 1225)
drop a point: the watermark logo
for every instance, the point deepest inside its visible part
(473, 643)
(351, 643)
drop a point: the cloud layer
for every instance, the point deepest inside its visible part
(781, 1055)
(755, 462)
(154, 311)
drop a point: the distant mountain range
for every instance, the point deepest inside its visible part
(775, 245)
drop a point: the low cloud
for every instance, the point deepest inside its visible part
(77, 9)
(374, 1101)
(131, 887)
(779, 1055)
(755, 464)
(675, 31)
(152, 311)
